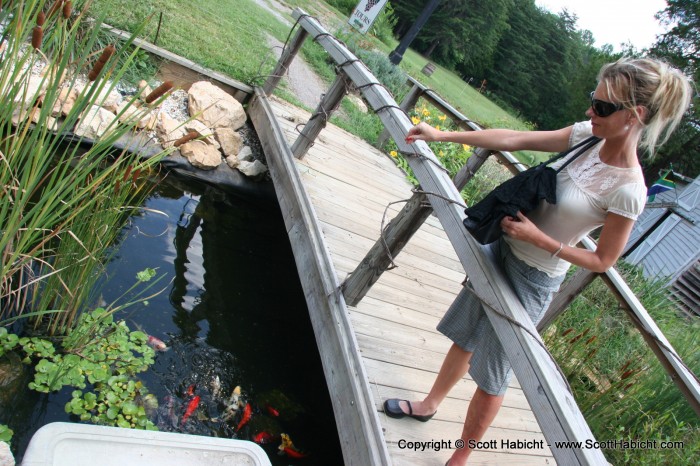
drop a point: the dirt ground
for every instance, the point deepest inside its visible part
(301, 80)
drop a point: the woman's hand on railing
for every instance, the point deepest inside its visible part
(422, 131)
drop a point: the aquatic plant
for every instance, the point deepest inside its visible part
(5, 433)
(102, 370)
(626, 398)
(64, 205)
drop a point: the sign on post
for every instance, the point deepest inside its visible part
(365, 13)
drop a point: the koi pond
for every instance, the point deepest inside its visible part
(231, 313)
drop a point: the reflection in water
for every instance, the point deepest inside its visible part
(233, 314)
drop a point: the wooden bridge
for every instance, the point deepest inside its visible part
(375, 327)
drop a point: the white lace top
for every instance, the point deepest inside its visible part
(587, 190)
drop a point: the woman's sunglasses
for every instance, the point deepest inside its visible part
(602, 108)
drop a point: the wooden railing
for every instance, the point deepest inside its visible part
(540, 379)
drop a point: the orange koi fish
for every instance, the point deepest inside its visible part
(156, 343)
(263, 438)
(292, 453)
(247, 413)
(191, 406)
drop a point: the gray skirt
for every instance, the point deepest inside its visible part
(466, 323)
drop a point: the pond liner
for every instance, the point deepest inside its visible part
(223, 177)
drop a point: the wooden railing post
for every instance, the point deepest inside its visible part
(407, 104)
(285, 60)
(329, 103)
(398, 232)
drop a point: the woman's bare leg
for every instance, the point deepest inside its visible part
(480, 414)
(454, 366)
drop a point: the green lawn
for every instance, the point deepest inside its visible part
(230, 36)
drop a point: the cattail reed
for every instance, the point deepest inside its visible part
(186, 138)
(40, 18)
(627, 373)
(37, 37)
(159, 91)
(54, 8)
(591, 340)
(100, 63)
(67, 9)
(567, 331)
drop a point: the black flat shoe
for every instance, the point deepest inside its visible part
(392, 409)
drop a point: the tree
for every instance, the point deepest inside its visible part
(680, 46)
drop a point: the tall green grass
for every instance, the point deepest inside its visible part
(63, 205)
(620, 386)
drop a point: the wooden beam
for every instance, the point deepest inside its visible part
(285, 60)
(409, 101)
(358, 423)
(329, 103)
(397, 234)
(543, 384)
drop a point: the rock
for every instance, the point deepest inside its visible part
(141, 118)
(358, 102)
(168, 130)
(64, 102)
(232, 161)
(95, 122)
(108, 98)
(6, 457)
(144, 88)
(25, 98)
(255, 169)
(229, 140)
(214, 107)
(201, 155)
(206, 133)
(246, 154)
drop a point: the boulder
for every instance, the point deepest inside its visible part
(107, 98)
(169, 130)
(64, 102)
(201, 155)
(95, 122)
(215, 107)
(229, 140)
(255, 169)
(23, 100)
(141, 118)
(246, 153)
(206, 133)
(232, 161)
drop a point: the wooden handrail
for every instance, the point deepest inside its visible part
(543, 384)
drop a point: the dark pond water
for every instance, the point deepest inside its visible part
(232, 308)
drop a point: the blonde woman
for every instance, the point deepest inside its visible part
(637, 103)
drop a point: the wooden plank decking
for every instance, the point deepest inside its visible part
(350, 185)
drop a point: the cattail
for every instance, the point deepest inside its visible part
(67, 9)
(100, 63)
(567, 331)
(627, 373)
(591, 340)
(54, 8)
(186, 138)
(40, 18)
(159, 91)
(37, 36)
(135, 176)
(127, 173)
(626, 365)
(592, 352)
